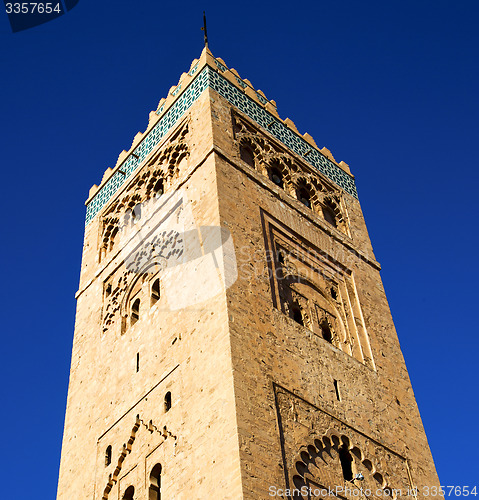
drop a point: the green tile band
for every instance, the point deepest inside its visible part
(210, 78)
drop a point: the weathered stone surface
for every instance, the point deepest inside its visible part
(274, 378)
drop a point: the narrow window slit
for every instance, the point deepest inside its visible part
(329, 215)
(108, 456)
(276, 176)
(336, 388)
(159, 188)
(168, 401)
(304, 197)
(136, 213)
(326, 332)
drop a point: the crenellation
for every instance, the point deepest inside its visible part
(92, 191)
(290, 124)
(262, 94)
(134, 159)
(345, 167)
(328, 154)
(310, 140)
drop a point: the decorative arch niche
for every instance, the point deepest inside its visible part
(304, 276)
(132, 452)
(290, 173)
(322, 314)
(159, 174)
(334, 460)
(321, 451)
(132, 293)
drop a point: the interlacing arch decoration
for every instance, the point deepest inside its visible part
(305, 192)
(328, 321)
(297, 303)
(331, 207)
(144, 265)
(113, 293)
(109, 236)
(295, 179)
(159, 175)
(282, 166)
(132, 211)
(125, 451)
(334, 456)
(172, 156)
(257, 144)
(127, 448)
(145, 273)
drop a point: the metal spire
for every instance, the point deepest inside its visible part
(204, 30)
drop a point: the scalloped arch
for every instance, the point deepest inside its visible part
(323, 449)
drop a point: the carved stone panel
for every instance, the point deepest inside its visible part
(294, 177)
(131, 448)
(316, 290)
(158, 176)
(325, 457)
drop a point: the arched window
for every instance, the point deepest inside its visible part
(108, 456)
(154, 492)
(155, 291)
(136, 213)
(113, 237)
(168, 401)
(346, 463)
(304, 197)
(297, 314)
(329, 215)
(135, 311)
(159, 188)
(182, 162)
(247, 155)
(276, 176)
(129, 493)
(326, 331)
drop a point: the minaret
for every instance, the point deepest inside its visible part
(232, 337)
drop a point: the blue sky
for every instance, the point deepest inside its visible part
(389, 87)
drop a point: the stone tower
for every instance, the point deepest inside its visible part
(233, 338)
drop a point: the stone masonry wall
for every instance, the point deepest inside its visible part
(186, 352)
(293, 377)
(273, 355)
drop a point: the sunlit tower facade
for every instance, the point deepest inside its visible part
(232, 336)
